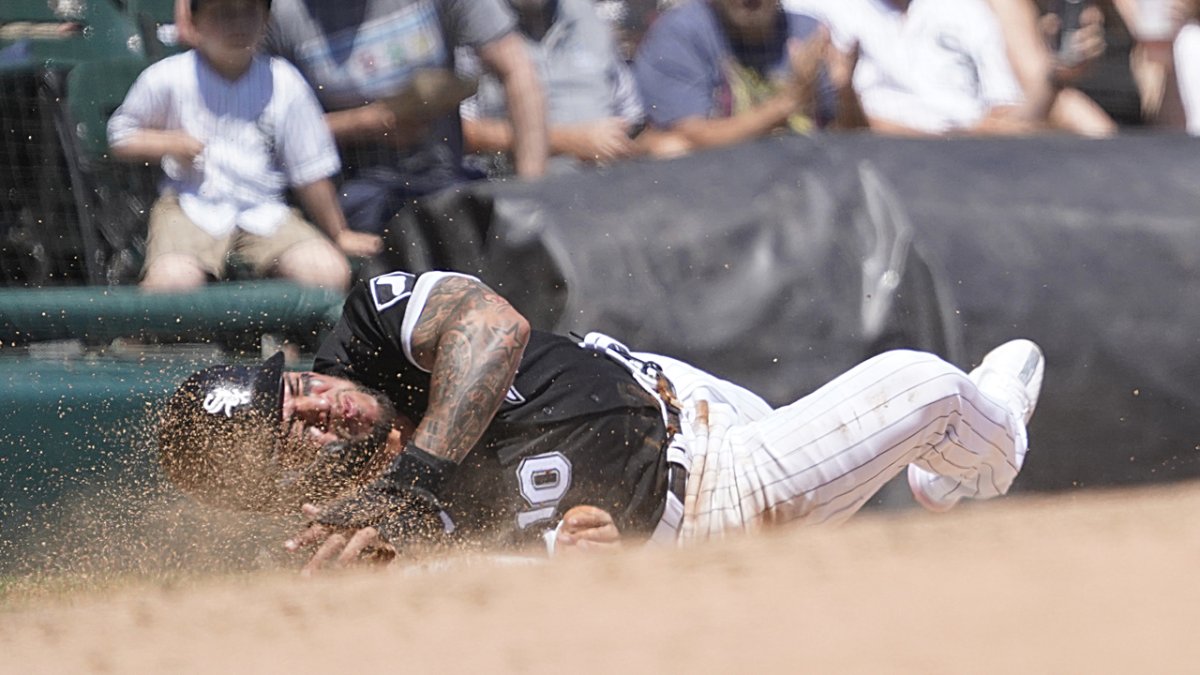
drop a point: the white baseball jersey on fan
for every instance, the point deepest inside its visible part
(818, 460)
(939, 66)
(261, 133)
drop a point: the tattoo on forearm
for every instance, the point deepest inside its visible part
(471, 340)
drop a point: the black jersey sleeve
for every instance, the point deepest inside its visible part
(369, 330)
(371, 342)
(377, 320)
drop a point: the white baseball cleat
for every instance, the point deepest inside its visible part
(1010, 375)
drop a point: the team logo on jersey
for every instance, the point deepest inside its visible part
(223, 400)
(513, 397)
(388, 289)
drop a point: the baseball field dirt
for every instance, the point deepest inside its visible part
(1085, 582)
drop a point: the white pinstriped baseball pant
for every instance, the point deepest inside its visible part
(818, 460)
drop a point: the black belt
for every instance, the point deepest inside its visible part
(649, 375)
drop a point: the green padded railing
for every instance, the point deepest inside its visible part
(95, 313)
(106, 32)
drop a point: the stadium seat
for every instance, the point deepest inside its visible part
(104, 31)
(12, 11)
(41, 240)
(112, 198)
(155, 20)
(94, 91)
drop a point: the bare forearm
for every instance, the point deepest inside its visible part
(758, 121)
(488, 135)
(472, 341)
(496, 135)
(530, 145)
(320, 203)
(147, 145)
(1014, 120)
(850, 113)
(366, 122)
(1031, 61)
(526, 102)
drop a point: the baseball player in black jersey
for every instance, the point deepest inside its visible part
(434, 413)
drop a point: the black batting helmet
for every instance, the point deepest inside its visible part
(219, 432)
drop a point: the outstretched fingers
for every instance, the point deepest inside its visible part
(313, 534)
(330, 549)
(363, 546)
(338, 548)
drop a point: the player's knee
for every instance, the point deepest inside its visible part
(928, 377)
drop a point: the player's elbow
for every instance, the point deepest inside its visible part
(517, 325)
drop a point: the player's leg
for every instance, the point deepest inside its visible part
(179, 255)
(1010, 375)
(821, 458)
(299, 252)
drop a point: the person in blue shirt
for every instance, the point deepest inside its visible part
(719, 72)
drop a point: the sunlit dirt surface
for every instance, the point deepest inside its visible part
(1080, 583)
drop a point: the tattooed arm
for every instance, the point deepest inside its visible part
(471, 340)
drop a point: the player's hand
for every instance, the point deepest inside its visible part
(599, 141)
(381, 511)
(338, 548)
(358, 244)
(589, 529)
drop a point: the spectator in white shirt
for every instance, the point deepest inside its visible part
(1187, 61)
(234, 129)
(1048, 58)
(929, 67)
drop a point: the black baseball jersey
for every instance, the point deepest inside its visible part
(575, 428)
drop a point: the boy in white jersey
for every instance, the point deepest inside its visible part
(234, 129)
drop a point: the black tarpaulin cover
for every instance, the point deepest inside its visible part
(781, 263)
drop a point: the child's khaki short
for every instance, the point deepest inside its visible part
(171, 231)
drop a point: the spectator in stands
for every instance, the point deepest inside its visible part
(358, 53)
(929, 66)
(1165, 62)
(719, 72)
(628, 20)
(1047, 60)
(592, 104)
(233, 129)
(184, 28)
(1187, 61)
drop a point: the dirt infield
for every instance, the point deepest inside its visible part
(1089, 582)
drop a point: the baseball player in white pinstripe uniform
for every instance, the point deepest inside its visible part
(472, 426)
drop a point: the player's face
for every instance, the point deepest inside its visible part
(320, 409)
